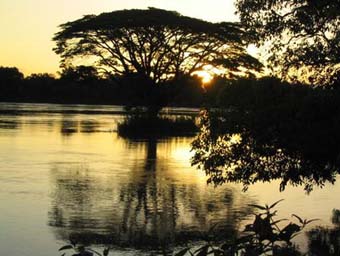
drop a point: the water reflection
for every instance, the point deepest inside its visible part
(147, 207)
(105, 189)
(89, 126)
(4, 124)
(326, 241)
(69, 125)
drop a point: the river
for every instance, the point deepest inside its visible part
(65, 172)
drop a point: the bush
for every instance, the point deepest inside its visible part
(141, 126)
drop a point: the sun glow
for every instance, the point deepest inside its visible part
(253, 50)
(207, 74)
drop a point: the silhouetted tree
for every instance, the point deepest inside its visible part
(43, 79)
(83, 84)
(301, 33)
(79, 74)
(39, 87)
(10, 74)
(10, 82)
(155, 45)
(267, 130)
(187, 91)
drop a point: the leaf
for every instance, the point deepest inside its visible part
(300, 219)
(268, 249)
(95, 252)
(294, 235)
(66, 247)
(271, 214)
(182, 252)
(309, 221)
(248, 228)
(203, 251)
(226, 246)
(244, 239)
(274, 204)
(288, 232)
(74, 243)
(106, 252)
(277, 221)
(257, 206)
(218, 252)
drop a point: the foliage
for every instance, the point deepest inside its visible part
(10, 82)
(186, 91)
(81, 250)
(262, 237)
(301, 33)
(265, 236)
(79, 74)
(44, 79)
(154, 43)
(140, 125)
(274, 131)
(152, 47)
(10, 75)
(83, 85)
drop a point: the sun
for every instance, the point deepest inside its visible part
(205, 76)
(253, 50)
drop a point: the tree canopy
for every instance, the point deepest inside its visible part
(302, 33)
(273, 131)
(79, 74)
(156, 44)
(10, 75)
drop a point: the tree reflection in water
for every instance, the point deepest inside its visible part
(249, 147)
(326, 241)
(145, 206)
(70, 125)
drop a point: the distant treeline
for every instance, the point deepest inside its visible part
(83, 85)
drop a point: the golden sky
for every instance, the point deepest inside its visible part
(27, 26)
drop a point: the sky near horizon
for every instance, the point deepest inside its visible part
(27, 26)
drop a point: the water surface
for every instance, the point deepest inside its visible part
(65, 172)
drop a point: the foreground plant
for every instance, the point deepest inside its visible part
(81, 250)
(262, 237)
(265, 236)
